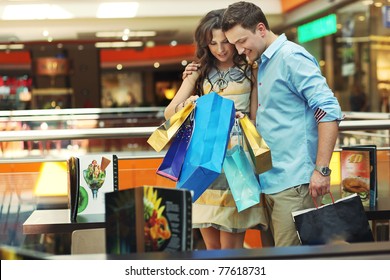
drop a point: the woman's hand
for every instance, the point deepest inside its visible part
(239, 115)
(191, 99)
(190, 68)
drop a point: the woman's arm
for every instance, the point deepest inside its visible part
(183, 94)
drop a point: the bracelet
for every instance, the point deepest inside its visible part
(178, 105)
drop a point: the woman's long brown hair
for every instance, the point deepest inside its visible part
(203, 36)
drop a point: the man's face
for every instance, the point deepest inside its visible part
(246, 42)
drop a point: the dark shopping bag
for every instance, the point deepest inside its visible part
(343, 220)
(174, 158)
(214, 118)
(240, 175)
(165, 132)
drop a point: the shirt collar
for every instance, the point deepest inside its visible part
(271, 50)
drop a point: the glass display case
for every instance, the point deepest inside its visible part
(36, 144)
(60, 122)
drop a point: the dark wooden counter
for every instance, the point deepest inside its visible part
(381, 211)
(58, 221)
(363, 251)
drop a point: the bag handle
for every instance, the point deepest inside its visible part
(315, 202)
(237, 131)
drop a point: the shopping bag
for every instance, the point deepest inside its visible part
(240, 175)
(174, 158)
(343, 220)
(214, 118)
(165, 132)
(258, 148)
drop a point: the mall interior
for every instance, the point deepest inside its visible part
(86, 78)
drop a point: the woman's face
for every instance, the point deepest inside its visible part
(220, 47)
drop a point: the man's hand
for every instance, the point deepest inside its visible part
(319, 184)
(190, 68)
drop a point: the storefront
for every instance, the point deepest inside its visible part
(350, 39)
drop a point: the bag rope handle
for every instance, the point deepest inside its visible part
(315, 202)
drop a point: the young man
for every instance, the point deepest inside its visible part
(297, 116)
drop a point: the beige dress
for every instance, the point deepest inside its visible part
(216, 206)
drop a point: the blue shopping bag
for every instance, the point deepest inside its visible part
(214, 119)
(240, 175)
(174, 158)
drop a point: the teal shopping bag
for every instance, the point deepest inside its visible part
(214, 118)
(240, 175)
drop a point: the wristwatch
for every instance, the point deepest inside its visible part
(324, 170)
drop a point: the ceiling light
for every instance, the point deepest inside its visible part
(143, 33)
(132, 44)
(12, 47)
(35, 11)
(150, 44)
(367, 2)
(16, 46)
(119, 34)
(108, 34)
(117, 10)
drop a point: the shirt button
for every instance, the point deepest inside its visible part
(260, 84)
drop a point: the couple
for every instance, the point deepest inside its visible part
(280, 86)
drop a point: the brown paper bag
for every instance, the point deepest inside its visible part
(165, 132)
(258, 149)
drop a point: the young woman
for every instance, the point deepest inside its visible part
(219, 69)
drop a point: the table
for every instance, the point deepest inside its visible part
(58, 221)
(354, 251)
(381, 211)
(380, 216)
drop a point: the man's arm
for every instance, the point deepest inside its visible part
(327, 136)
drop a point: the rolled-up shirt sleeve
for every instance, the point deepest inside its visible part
(308, 82)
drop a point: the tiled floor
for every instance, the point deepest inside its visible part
(11, 231)
(16, 206)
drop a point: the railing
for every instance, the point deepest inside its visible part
(128, 132)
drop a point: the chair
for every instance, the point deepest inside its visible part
(89, 241)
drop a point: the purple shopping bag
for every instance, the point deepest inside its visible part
(174, 158)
